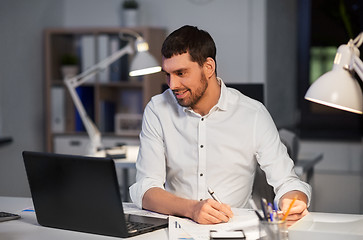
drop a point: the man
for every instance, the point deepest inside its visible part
(201, 134)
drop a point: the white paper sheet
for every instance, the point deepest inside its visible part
(183, 228)
(130, 208)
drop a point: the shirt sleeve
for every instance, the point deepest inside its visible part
(274, 160)
(150, 162)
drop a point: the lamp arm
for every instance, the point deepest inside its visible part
(358, 66)
(358, 40)
(91, 71)
(72, 83)
(92, 131)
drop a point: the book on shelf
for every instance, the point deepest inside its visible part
(88, 55)
(58, 109)
(78, 49)
(131, 101)
(86, 94)
(103, 52)
(120, 68)
(107, 111)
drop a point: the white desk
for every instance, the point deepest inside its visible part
(27, 227)
(332, 226)
(315, 226)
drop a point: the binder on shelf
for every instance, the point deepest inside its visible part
(86, 94)
(88, 55)
(103, 47)
(131, 101)
(78, 48)
(115, 66)
(57, 109)
(124, 61)
(107, 111)
(119, 70)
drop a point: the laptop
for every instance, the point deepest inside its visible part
(81, 194)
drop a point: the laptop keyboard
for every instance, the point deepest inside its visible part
(133, 227)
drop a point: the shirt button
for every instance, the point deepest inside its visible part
(200, 199)
(202, 119)
(201, 174)
(201, 146)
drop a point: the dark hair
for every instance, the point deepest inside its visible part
(198, 43)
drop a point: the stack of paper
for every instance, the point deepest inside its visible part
(186, 229)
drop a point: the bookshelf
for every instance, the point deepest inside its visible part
(112, 92)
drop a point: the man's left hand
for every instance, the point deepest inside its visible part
(298, 209)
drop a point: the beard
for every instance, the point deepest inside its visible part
(196, 95)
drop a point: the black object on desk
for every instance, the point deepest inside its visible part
(5, 216)
(227, 235)
(5, 140)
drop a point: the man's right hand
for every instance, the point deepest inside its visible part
(210, 211)
(207, 211)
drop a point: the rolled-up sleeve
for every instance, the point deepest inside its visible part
(150, 162)
(273, 158)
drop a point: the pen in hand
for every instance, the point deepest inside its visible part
(288, 210)
(213, 195)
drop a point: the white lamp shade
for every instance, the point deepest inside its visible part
(144, 63)
(338, 89)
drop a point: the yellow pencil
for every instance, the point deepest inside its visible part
(288, 210)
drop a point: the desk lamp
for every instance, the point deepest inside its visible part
(339, 88)
(143, 63)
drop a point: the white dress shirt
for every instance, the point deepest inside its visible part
(185, 153)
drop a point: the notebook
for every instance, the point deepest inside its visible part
(81, 194)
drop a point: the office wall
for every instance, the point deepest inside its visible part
(21, 89)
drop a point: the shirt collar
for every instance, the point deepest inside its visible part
(222, 102)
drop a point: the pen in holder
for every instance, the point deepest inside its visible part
(271, 227)
(273, 230)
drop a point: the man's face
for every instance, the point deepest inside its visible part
(185, 78)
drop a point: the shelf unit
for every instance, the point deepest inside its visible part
(124, 94)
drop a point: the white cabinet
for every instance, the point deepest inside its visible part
(78, 144)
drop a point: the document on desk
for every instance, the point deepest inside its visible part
(130, 208)
(186, 229)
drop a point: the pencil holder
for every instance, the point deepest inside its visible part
(273, 230)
